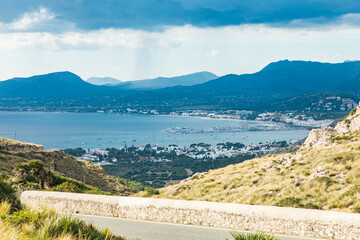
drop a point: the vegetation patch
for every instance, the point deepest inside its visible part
(33, 175)
(252, 236)
(290, 202)
(21, 223)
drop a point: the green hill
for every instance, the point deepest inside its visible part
(13, 152)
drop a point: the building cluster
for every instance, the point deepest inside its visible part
(334, 103)
(196, 151)
(295, 120)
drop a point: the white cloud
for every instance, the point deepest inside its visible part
(174, 37)
(30, 20)
(213, 53)
(105, 38)
(41, 20)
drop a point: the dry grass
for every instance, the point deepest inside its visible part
(325, 178)
(7, 144)
(62, 164)
(27, 224)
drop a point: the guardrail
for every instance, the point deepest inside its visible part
(277, 220)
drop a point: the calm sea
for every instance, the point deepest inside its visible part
(101, 130)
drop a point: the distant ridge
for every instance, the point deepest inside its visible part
(103, 81)
(49, 85)
(164, 82)
(277, 81)
(52, 84)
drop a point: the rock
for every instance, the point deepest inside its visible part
(319, 138)
(297, 182)
(350, 123)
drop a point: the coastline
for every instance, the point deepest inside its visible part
(161, 115)
(222, 119)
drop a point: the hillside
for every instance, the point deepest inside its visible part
(164, 82)
(314, 102)
(59, 84)
(276, 81)
(13, 152)
(323, 173)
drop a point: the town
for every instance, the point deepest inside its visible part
(158, 166)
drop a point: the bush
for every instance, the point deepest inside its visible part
(135, 184)
(311, 206)
(151, 192)
(50, 225)
(8, 193)
(328, 181)
(252, 236)
(66, 187)
(64, 184)
(290, 202)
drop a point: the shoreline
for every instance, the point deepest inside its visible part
(161, 115)
(230, 119)
(168, 115)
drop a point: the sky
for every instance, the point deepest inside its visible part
(140, 39)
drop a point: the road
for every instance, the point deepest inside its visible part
(144, 230)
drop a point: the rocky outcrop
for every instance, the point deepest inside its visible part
(351, 123)
(16, 146)
(320, 137)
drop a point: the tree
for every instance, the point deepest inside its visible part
(34, 170)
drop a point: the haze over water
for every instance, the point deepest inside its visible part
(99, 130)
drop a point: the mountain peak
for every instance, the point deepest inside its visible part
(51, 84)
(164, 82)
(103, 81)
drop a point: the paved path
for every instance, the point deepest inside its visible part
(144, 230)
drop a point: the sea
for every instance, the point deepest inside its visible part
(59, 130)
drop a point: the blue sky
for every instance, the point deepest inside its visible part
(140, 39)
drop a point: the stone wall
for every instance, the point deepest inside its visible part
(279, 220)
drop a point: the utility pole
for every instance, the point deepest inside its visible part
(15, 135)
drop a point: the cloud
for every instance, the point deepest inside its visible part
(215, 38)
(213, 53)
(129, 39)
(40, 20)
(30, 20)
(152, 15)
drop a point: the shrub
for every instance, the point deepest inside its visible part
(252, 236)
(67, 187)
(151, 192)
(348, 168)
(311, 206)
(8, 193)
(290, 202)
(50, 225)
(328, 181)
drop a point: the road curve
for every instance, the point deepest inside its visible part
(145, 230)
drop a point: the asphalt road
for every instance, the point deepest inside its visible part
(144, 230)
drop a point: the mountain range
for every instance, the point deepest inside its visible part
(277, 81)
(164, 82)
